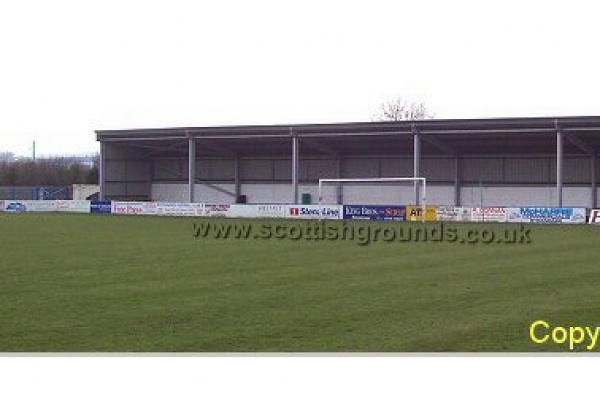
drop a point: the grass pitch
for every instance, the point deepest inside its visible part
(73, 283)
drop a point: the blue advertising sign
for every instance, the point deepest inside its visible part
(547, 215)
(14, 206)
(380, 213)
(100, 207)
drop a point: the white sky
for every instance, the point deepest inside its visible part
(70, 67)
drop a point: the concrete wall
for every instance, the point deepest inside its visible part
(494, 180)
(82, 191)
(127, 173)
(509, 196)
(488, 170)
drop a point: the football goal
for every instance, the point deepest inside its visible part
(389, 190)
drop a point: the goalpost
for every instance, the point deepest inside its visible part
(417, 182)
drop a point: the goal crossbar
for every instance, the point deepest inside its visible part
(423, 204)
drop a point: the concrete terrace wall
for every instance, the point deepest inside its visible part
(279, 193)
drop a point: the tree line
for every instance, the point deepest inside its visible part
(65, 171)
(58, 171)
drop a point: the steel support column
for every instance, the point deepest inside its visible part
(417, 162)
(594, 181)
(102, 171)
(191, 168)
(559, 167)
(295, 167)
(457, 182)
(236, 178)
(339, 189)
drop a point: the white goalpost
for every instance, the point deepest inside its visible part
(417, 182)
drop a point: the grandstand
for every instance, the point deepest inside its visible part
(507, 162)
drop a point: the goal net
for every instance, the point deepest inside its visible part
(373, 191)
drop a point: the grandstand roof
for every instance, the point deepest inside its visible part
(441, 136)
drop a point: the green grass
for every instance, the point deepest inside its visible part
(115, 283)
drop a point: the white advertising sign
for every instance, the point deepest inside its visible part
(270, 211)
(30, 206)
(313, 212)
(133, 208)
(231, 210)
(489, 214)
(180, 209)
(74, 206)
(243, 211)
(594, 217)
(216, 210)
(451, 213)
(14, 206)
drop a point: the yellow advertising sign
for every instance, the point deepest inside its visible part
(416, 214)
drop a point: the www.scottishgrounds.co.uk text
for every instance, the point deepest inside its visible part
(362, 234)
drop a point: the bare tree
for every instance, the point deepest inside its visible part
(402, 110)
(57, 171)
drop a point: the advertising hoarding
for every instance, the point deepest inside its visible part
(14, 206)
(243, 211)
(100, 207)
(302, 211)
(270, 211)
(380, 213)
(594, 217)
(133, 208)
(216, 210)
(547, 215)
(414, 213)
(180, 209)
(489, 214)
(73, 206)
(17, 206)
(451, 213)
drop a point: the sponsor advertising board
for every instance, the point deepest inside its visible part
(594, 217)
(416, 214)
(451, 213)
(547, 215)
(381, 213)
(73, 206)
(100, 207)
(489, 214)
(243, 211)
(231, 210)
(133, 208)
(216, 210)
(270, 211)
(1, 205)
(180, 209)
(18, 206)
(313, 212)
(14, 206)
